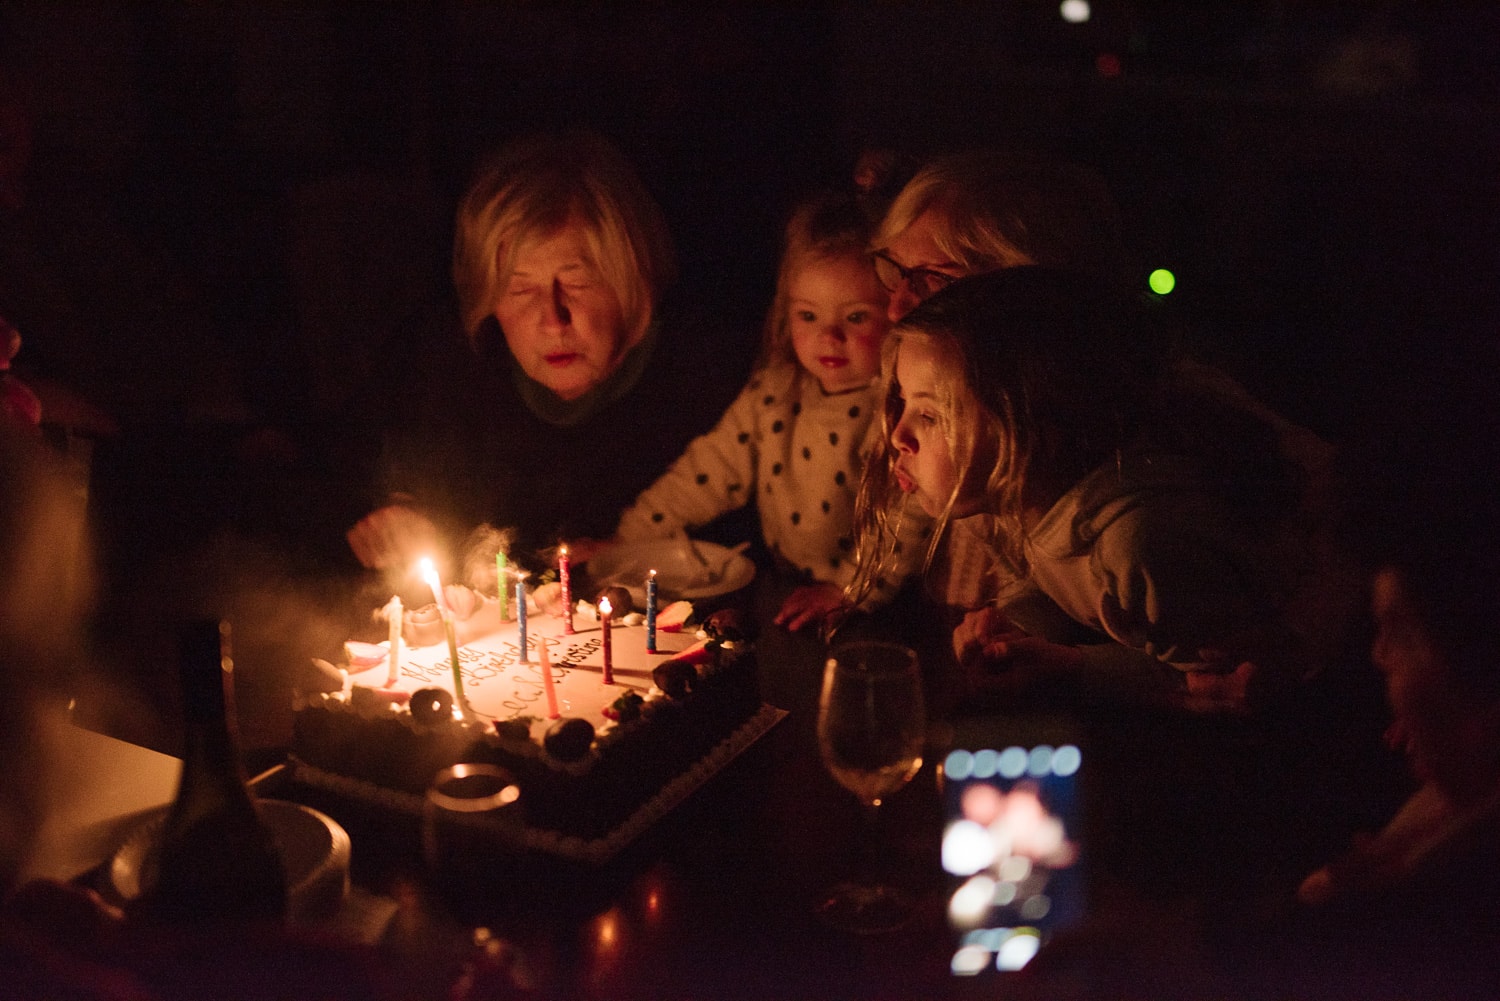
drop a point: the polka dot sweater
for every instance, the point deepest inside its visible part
(794, 450)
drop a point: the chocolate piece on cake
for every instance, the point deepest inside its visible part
(620, 602)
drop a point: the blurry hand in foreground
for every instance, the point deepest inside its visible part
(392, 536)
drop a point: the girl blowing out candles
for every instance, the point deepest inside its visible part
(1163, 513)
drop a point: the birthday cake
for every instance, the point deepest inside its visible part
(597, 755)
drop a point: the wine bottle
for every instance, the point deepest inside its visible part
(216, 860)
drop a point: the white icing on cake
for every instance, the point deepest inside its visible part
(498, 686)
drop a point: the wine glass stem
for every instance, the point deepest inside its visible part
(867, 851)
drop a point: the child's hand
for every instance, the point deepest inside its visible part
(809, 605)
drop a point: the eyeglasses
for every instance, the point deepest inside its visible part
(922, 282)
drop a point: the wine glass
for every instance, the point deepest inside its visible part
(870, 733)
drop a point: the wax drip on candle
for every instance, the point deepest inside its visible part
(549, 685)
(605, 608)
(393, 613)
(565, 578)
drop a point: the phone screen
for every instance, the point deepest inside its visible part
(1012, 849)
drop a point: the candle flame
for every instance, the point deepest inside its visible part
(605, 607)
(430, 575)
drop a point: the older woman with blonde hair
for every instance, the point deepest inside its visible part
(979, 211)
(572, 383)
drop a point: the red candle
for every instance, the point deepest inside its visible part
(604, 624)
(565, 578)
(548, 685)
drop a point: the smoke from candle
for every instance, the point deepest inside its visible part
(478, 559)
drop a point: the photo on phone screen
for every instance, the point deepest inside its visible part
(1012, 849)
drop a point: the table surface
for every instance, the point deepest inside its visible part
(1194, 828)
(1185, 829)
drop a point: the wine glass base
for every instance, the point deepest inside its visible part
(865, 909)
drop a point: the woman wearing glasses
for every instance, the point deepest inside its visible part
(971, 213)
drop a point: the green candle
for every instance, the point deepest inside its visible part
(458, 674)
(500, 582)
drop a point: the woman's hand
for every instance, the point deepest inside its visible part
(392, 536)
(809, 605)
(999, 658)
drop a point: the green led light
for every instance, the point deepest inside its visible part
(1162, 281)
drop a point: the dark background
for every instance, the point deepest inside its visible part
(268, 189)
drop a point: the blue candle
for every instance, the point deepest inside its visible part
(521, 617)
(651, 612)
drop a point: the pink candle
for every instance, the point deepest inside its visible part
(604, 624)
(548, 685)
(565, 578)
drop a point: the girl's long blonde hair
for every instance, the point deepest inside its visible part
(1043, 374)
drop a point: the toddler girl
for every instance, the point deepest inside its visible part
(1166, 514)
(795, 440)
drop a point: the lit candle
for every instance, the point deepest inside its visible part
(502, 593)
(548, 685)
(651, 612)
(565, 578)
(430, 575)
(604, 624)
(393, 613)
(521, 617)
(458, 674)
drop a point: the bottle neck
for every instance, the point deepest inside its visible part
(210, 734)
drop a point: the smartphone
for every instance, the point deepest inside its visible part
(1013, 839)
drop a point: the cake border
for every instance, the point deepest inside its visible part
(594, 851)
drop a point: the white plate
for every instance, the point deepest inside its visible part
(679, 573)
